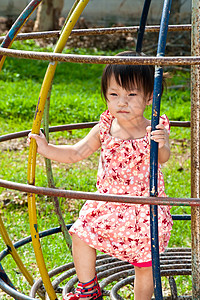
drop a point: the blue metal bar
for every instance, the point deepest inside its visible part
(181, 217)
(5, 284)
(154, 151)
(5, 279)
(4, 276)
(142, 25)
(28, 239)
(19, 23)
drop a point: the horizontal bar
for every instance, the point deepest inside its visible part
(66, 127)
(55, 230)
(98, 31)
(94, 59)
(181, 217)
(98, 196)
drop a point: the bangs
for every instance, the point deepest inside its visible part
(126, 78)
(129, 77)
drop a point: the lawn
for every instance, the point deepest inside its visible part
(75, 98)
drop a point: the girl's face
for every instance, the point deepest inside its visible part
(123, 104)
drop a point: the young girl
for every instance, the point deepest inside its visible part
(123, 133)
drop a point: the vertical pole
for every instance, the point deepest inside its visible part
(195, 149)
(154, 152)
(141, 29)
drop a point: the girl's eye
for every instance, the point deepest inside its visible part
(113, 94)
(132, 94)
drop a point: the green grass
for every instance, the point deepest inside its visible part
(75, 98)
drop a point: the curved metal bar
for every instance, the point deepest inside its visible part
(50, 179)
(11, 35)
(13, 293)
(93, 59)
(5, 277)
(32, 150)
(154, 151)
(13, 252)
(98, 31)
(181, 217)
(142, 25)
(66, 127)
(100, 197)
(28, 239)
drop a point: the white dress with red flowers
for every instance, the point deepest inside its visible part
(123, 230)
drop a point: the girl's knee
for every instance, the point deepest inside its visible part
(143, 270)
(75, 238)
(78, 242)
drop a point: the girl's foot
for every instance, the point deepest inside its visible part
(88, 291)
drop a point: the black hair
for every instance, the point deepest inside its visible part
(129, 76)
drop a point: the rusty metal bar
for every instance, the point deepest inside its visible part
(100, 197)
(195, 150)
(98, 31)
(15, 135)
(93, 59)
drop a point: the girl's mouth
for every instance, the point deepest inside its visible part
(122, 112)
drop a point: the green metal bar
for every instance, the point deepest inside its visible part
(50, 179)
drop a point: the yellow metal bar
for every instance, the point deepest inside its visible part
(32, 151)
(14, 253)
(16, 257)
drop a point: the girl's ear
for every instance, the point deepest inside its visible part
(150, 99)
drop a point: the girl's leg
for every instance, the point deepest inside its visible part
(143, 285)
(84, 259)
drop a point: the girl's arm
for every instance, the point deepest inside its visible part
(68, 153)
(162, 138)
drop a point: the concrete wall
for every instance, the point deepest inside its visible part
(105, 12)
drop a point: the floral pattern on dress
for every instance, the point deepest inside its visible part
(119, 229)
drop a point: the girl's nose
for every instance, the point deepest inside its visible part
(122, 101)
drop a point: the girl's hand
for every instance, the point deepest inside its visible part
(160, 135)
(40, 140)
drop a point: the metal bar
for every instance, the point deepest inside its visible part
(5, 278)
(92, 59)
(98, 31)
(28, 239)
(142, 25)
(50, 179)
(74, 15)
(11, 35)
(66, 127)
(181, 217)
(14, 253)
(100, 197)
(195, 150)
(12, 292)
(154, 151)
